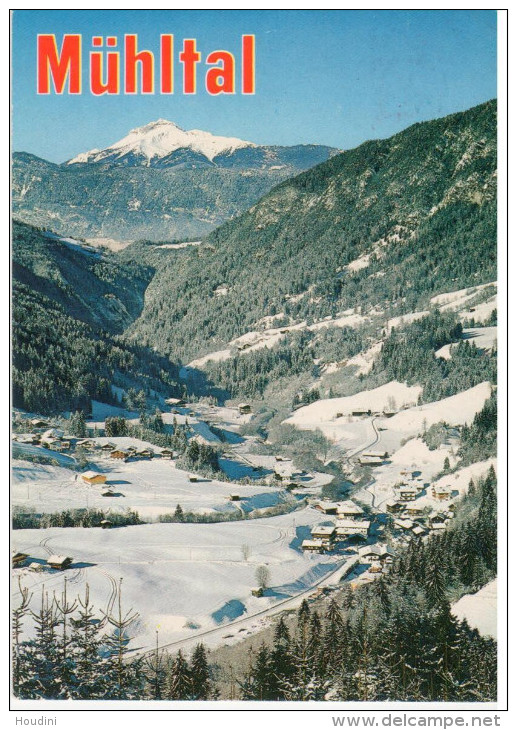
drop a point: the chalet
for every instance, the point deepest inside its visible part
(119, 454)
(376, 554)
(36, 567)
(328, 508)
(106, 524)
(93, 477)
(404, 525)
(419, 530)
(371, 461)
(145, 454)
(38, 423)
(376, 454)
(108, 447)
(414, 510)
(235, 498)
(192, 478)
(394, 507)
(361, 412)
(65, 445)
(53, 433)
(59, 562)
(437, 521)
(86, 444)
(257, 592)
(107, 493)
(244, 408)
(407, 494)
(437, 526)
(441, 493)
(344, 528)
(324, 534)
(312, 546)
(349, 510)
(18, 559)
(389, 414)
(167, 453)
(279, 457)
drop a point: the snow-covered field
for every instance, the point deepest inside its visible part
(457, 410)
(179, 573)
(459, 480)
(150, 487)
(332, 411)
(480, 609)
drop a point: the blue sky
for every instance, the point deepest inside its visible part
(323, 77)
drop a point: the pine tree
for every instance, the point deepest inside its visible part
(202, 688)
(86, 642)
(155, 672)
(258, 683)
(179, 515)
(64, 610)
(19, 613)
(124, 677)
(179, 679)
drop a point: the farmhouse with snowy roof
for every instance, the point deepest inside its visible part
(328, 508)
(371, 461)
(349, 510)
(442, 493)
(313, 546)
(345, 528)
(59, 562)
(119, 454)
(93, 477)
(376, 553)
(407, 494)
(325, 534)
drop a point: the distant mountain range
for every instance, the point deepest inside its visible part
(159, 182)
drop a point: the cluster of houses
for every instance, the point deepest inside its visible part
(350, 524)
(56, 562)
(55, 440)
(415, 515)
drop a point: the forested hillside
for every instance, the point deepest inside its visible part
(384, 225)
(69, 306)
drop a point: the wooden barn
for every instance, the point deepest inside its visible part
(93, 477)
(119, 454)
(18, 559)
(59, 562)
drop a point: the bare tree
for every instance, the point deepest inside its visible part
(246, 552)
(263, 576)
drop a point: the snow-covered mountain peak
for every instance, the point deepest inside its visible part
(159, 139)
